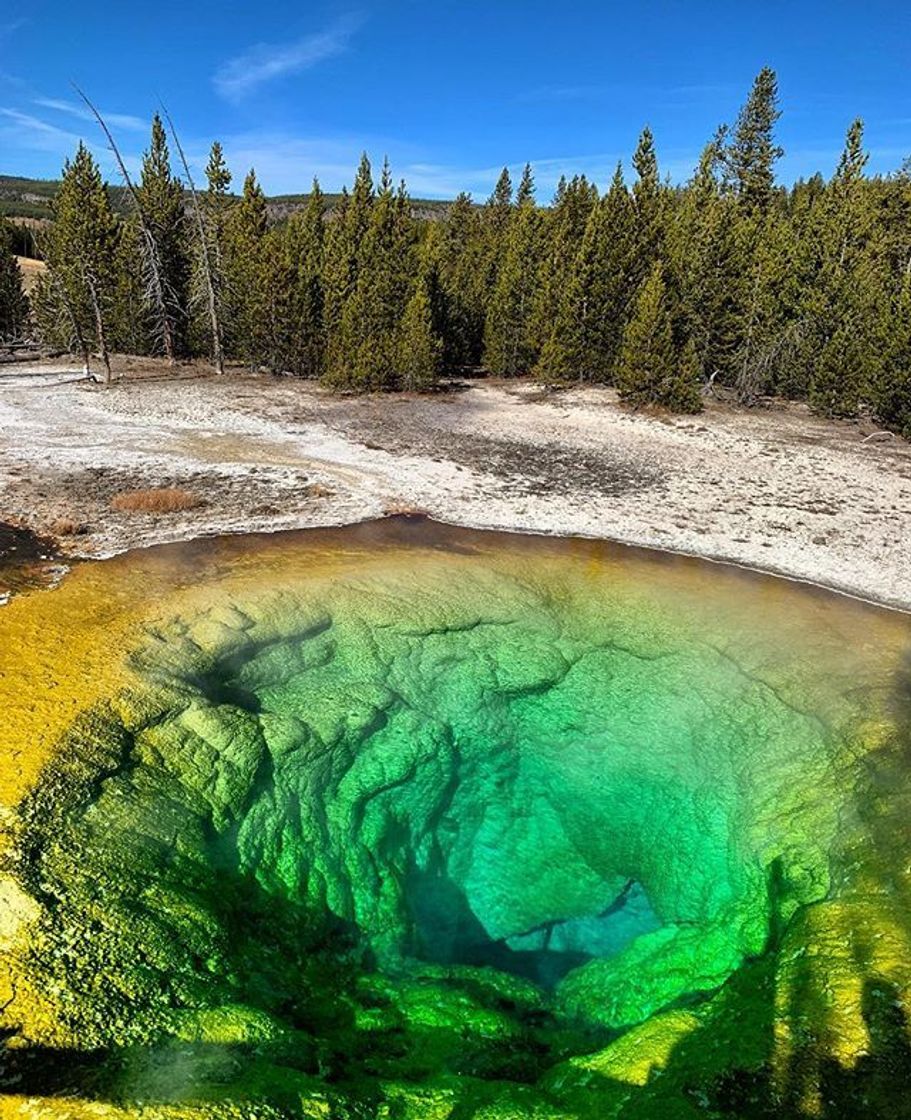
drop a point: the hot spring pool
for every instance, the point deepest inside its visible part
(409, 821)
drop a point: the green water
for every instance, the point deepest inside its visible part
(477, 827)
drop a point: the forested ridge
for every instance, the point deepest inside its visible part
(661, 291)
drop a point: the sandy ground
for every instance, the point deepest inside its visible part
(775, 489)
(31, 270)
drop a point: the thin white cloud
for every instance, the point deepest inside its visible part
(115, 120)
(21, 133)
(13, 80)
(36, 133)
(12, 26)
(266, 61)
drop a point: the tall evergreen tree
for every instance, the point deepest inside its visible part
(526, 192)
(248, 327)
(496, 220)
(651, 370)
(841, 306)
(769, 327)
(365, 353)
(338, 266)
(704, 268)
(161, 198)
(344, 245)
(585, 339)
(460, 262)
(218, 174)
(13, 303)
(419, 349)
(304, 241)
(649, 204)
(216, 204)
(509, 347)
(562, 234)
(499, 205)
(129, 304)
(752, 153)
(891, 392)
(80, 251)
(208, 282)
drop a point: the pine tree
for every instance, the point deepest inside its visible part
(890, 198)
(509, 348)
(838, 385)
(683, 392)
(760, 248)
(649, 204)
(561, 240)
(208, 279)
(365, 352)
(162, 201)
(13, 302)
(650, 369)
(304, 244)
(891, 393)
(218, 174)
(293, 262)
(842, 350)
(129, 312)
(344, 244)
(419, 349)
(499, 205)
(247, 323)
(845, 217)
(526, 192)
(769, 324)
(585, 340)
(752, 153)
(216, 204)
(205, 285)
(496, 220)
(80, 251)
(460, 263)
(338, 267)
(704, 267)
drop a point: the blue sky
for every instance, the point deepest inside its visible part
(450, 91)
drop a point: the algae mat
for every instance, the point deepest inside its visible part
(409, 821)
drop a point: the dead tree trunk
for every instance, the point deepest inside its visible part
(100, 333)
(218, 357)
(157, 285)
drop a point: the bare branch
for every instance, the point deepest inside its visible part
(217, 349)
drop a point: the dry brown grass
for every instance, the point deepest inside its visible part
(403, 509)
(67, 527)
(31, 270)
(317, 490)
(167, 499)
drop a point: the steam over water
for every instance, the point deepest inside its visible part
(410, 821)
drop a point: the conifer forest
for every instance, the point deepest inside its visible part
(662, 291)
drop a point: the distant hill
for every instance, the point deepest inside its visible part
(31, 198)
(26, 198)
